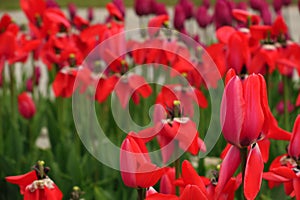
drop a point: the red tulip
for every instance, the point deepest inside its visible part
(26, 105)
(241, 100)
(34, 187)
(143, 7)
(179, 18)
(132, 87)
(159, 8)
(294, 148)
(64, 82)
(256, 4)
(114, 11)
(167, 181)
(203, 18)
(135, 164)
(245, 17)
(188, 7)
(222, 15)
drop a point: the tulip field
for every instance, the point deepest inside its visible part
(200, 102)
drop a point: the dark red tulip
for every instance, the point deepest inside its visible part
(203, 18)
(179, 18)
(72, 9)
(159, 8)
(206, 4)
(266, 15)
(277, 4)
(257, 4)
(26, 105)
(120, 5)
(286, 2)
(51, 4)
(143, 7)
(222, 14)
(90, 14)
(188, 8)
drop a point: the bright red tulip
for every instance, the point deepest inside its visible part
(135, 164)
(167, 185)
(294, 146)
(26, 105)
(34, 187)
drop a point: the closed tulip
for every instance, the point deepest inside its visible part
(26, 105)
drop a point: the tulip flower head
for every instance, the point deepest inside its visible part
(36, 185)
(26, 105)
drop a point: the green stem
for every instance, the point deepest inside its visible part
(60, 115)
(33, 76)
(268, 82)
(244, 152)
(141, 193)
(286, 100)
(177, 166)
(12, 92)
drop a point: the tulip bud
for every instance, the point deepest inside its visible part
(90, 15)
(202, 17)
(72, 9)
(26, 105)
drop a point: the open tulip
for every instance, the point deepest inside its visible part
(36, 185)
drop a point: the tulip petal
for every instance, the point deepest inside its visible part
(138, 83)
(22, 180)
(296, 184)
(192, 192)
(224, 33)
(253, 173)
(229, 165)
(190, 176)
(233, 111)
(254, 116)
(294, 146)
(264, 146)
(161, 197)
